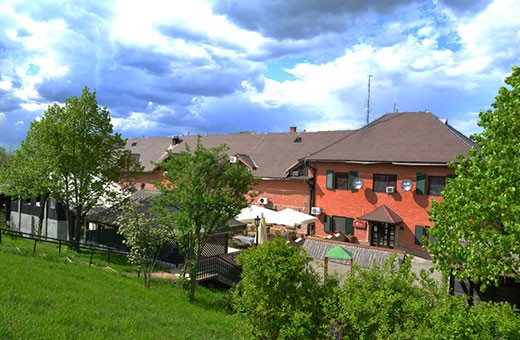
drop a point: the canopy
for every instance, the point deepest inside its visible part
(293, 218)
(249, 214)
(338, 253)
(382, 214)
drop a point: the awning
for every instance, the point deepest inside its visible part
(293, 218)
(249, 214)
(382, 214)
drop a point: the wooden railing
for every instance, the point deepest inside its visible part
(218, 269)
(79, 246)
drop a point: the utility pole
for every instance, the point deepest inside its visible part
(368, 98)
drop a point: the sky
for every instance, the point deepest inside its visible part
(223, 66)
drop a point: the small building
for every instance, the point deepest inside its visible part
(24, 216)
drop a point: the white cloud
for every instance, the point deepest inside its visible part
(134, 122)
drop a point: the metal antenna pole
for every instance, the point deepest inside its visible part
(368, 98)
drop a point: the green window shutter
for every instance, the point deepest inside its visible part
(349, 226)
(326, 223)
(420, 184)
(419, 232)
(330, 179)
(351, 177)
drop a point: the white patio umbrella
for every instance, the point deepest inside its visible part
(293, 218)
(262, 231)
(249, 214)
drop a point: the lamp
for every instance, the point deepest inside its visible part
(257, 223)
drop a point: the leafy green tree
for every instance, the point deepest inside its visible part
(477, 225)
(279, 296)
(144, 236)
(382, 303)
(208, 191)
(392, 302)
(72, 154)
(5, 157)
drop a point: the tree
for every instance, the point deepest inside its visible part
(207, 190)
(477, 225)
(144, 236)
(279, 295)
(5, 157)
(73, 155)
(392, 302)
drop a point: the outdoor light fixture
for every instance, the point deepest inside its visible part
(257, 223)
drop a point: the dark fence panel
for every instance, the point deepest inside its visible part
(507, 291)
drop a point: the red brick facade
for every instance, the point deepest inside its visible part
(282, 193)
(145, 180)
(409, 205)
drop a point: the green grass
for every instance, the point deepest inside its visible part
(46, 296)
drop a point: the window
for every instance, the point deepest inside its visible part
(421, 232)
(341, 181)
(135, 157)
(435, 185)
(340, 224)
(383, 181)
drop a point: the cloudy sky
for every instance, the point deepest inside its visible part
(220, 66)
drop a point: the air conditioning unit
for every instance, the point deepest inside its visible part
(296, 173)
(390, 190)
(315, 211)
(232, 159)
(263, 200)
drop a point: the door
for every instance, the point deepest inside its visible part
(383, 235)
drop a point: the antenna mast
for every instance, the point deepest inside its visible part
(368, 99)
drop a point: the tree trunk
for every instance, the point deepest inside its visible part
(77, 224)
(195, 269)
(43, 206)
(70, 223)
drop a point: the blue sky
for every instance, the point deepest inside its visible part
(222, 66)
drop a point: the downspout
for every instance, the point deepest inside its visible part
(312, 184)
(312, 189)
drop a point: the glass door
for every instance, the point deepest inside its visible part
(383, 235)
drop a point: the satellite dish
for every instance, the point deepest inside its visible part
(357, 183)
(406, 184)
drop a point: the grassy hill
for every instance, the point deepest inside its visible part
(53, 295)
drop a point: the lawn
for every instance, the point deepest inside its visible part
(52, 295)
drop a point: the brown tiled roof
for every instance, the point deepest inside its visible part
(408, 137)
(382, 214)
(272, 153)
(149, 149)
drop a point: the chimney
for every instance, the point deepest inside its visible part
(292, 129)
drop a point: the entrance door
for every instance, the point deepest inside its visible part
(383, 235)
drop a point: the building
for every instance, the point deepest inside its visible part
(270, 156)
(378, 183)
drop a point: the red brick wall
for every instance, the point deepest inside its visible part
(283, 194)
(411, 207)
(147, 179)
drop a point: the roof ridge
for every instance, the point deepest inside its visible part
(375, 122)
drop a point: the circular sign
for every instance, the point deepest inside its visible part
(406, 184)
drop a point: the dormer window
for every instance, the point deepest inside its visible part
(135, 157)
